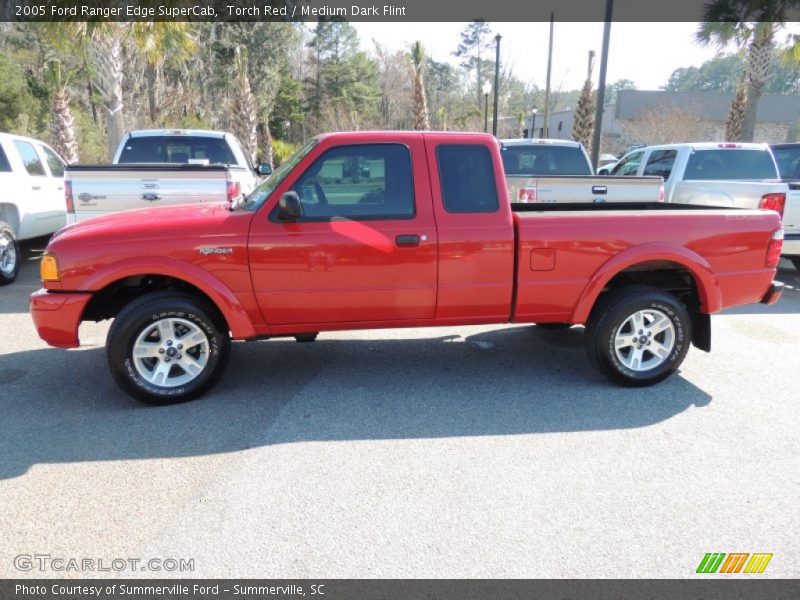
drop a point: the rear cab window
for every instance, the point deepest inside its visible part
(467, 178)
(544, 160)
(30, 159)
(730, 164)
(174, 149)
(788, 159)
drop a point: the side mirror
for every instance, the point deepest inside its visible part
(289, 207)
(264, 169)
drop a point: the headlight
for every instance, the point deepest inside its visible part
(48, 268)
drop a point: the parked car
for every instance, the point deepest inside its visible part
(163, 166)
(711, 174)
(559, 171)
(788, 158)
(426, 239)
(31, 197)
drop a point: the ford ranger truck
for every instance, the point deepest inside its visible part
(375, 230)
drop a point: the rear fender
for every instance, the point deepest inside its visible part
(704, 277)
(226, 301)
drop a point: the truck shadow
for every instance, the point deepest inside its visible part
(62, 406)
(14, 297)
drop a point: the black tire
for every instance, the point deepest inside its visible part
(139, 316)
(796, 262)
(9, 254)
(611, 314)
(554, 326)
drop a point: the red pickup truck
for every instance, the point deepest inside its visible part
(397, 229)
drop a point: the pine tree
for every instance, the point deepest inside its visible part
(583, 119)
(421, 121)
(62, 125)
(245, 124)
(733, 126)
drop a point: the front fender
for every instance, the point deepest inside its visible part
(226, 301)
(704, 277)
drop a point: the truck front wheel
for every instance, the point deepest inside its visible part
(9, 254)
(167, 347)
(638, 335)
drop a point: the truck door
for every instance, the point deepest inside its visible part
(365, 247)
(476, 232)
(43, 214)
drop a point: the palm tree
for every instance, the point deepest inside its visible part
(752, 25)
(160, 43)
(245, 122)
(62, 126)
(583, 123)
(733, 125)
(421, 122)
(104, 43)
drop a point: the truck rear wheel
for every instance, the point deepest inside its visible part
(638, 335)
(9, 254)
(167, 347)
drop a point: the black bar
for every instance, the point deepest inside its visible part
(733, 588)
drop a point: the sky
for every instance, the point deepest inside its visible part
(646, 53)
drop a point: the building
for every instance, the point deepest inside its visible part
(659, 117)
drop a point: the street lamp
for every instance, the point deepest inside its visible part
(487, 89)
(533, 123)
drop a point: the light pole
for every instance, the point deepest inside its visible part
(496, 82)
(487, 89)
(533, 123)
(601, 85)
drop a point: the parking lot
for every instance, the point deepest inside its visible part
(492, 451)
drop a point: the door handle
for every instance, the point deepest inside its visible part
(406, 241)
(599, 189)
(36, 188)
(151, 197)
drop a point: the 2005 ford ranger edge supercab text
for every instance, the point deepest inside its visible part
(397, 229)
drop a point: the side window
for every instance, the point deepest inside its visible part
(55, 164)
(629, 165)
(467, 178)
(29, 158)
(660, 163)
(370, 181)
(5, 166)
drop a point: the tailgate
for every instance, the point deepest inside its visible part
(577, 188)
(98, 191)
(791, 213)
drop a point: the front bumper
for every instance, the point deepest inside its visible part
(791, 244)
(773, 293)
(57, 316)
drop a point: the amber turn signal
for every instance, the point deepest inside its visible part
(49, 268)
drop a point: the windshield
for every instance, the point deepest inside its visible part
(263, 191)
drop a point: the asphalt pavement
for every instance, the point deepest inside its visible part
(492, 451)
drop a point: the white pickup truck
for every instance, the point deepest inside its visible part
(788, 158)
(550, 171)
(31, 197)
(712, 174)
(157, 167)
